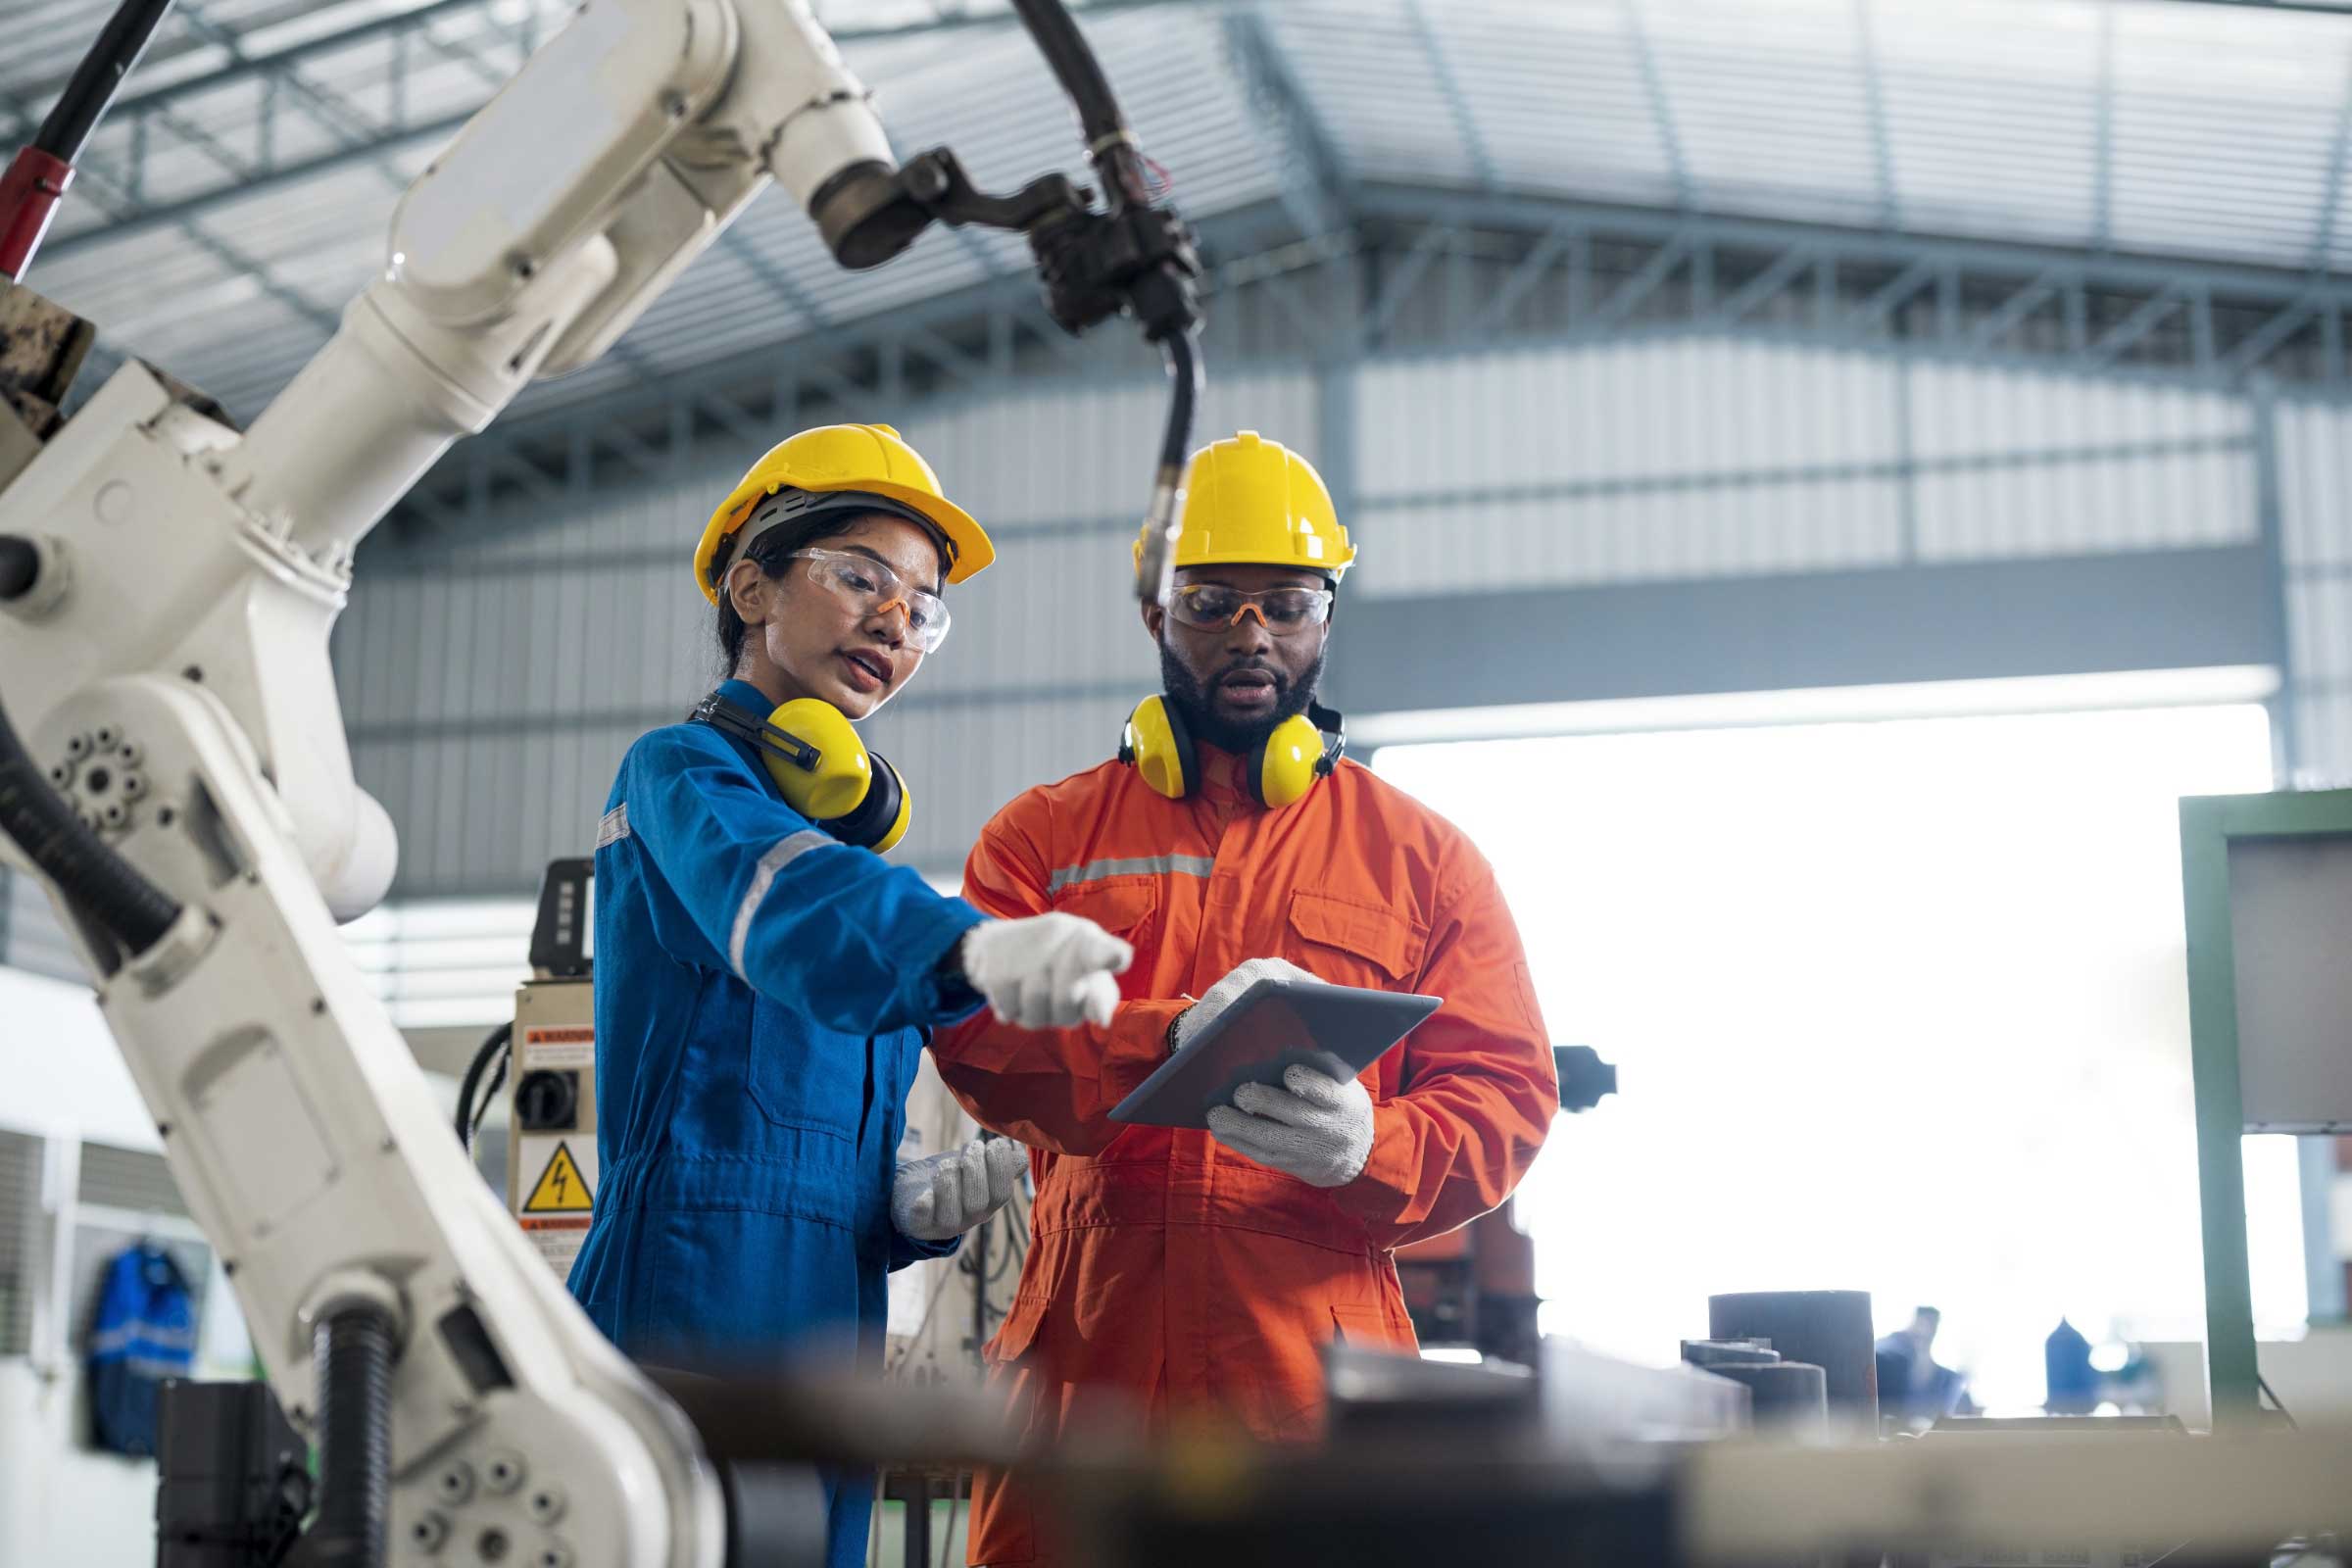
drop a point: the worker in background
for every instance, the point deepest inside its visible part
(1201, 1273)
(763, 978)
(2073, 1381)
(1913, 1389)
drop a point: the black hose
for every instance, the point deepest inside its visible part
(472, 1082)
(1074, 65)
(62, 848)
(98, 78)
(1108, 141)
(1184, 394)
(353, 1347)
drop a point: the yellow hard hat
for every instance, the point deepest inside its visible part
(1248, 500)
(871, 458)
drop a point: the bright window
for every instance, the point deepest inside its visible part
(1898, 1006)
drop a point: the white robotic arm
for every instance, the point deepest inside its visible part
(167, 587)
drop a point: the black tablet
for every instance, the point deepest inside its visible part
(1272, 1026)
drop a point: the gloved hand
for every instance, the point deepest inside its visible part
(1316, 1127)
(1050, 972)
(1240, 978)
(939, 1199)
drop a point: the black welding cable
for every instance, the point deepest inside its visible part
(470, 1118)
(98, 78)
(1108, 141)
(1184, 394)
(109, 888)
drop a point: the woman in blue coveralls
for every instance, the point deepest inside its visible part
(763, 978)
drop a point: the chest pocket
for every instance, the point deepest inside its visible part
(1352, 944)
(1127, 908)
(807, 1078)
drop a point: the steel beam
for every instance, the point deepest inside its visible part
(1473, 210)
(2133, 329)
(246, 178)
(1459, 104)
(1874, 98)
(2012, 313)
(2265, 340)
(1532, 268)
(2323, 239)
(96, 176)
(2102, 222)
(1314, 178)
(1776, 278)
(1887, 300)
(1399, 287)
(1662, 108)
(1629, 295)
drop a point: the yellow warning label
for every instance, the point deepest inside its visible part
(559, 1189)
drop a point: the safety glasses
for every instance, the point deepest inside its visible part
(1281, 611)
(871, 588)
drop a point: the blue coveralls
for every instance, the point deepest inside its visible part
(761, 992)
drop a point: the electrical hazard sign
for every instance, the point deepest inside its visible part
(561, 1188)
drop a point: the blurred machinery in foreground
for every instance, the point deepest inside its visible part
(1426, 1462)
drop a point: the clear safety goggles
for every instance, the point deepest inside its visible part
(872, 588)
(1281, 611)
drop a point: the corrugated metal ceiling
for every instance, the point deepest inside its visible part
(2143, 125)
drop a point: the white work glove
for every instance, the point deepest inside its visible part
(1315, 1128)
(1050, 972)
(1240, 978)
(939, 1199)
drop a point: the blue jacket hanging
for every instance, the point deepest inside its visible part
(144, 1333)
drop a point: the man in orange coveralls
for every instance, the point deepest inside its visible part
(1199, 1273)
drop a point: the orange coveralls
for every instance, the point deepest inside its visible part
(1163, 1264)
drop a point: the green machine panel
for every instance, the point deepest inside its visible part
(2267, 881)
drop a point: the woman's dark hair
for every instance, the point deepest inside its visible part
(769, 553)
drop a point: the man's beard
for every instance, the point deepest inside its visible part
(1204, 724)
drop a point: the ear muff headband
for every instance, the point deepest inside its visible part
(821, 769)
(1159, 748)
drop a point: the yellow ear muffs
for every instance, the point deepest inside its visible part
(822, 769)
(1158, 747)
(1286, 764)
(1302, 749)
(879, 820)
